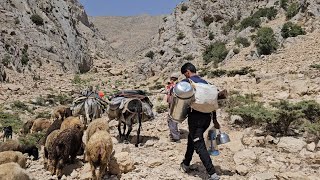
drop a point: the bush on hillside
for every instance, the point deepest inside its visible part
(211, 36)
(150, 54)
(284, 4)
(208, 19)
(290, 29)
(292, 10)
(269, 13)
(7, 119)
(180, 36)
(265, 41)
(229, 26)
(35, 18)
(215, 52)
(242, 40)
(184, 8)
(250, 22)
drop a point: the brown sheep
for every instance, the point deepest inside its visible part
(40, 124)
(71, 122)
(47, 147)
(27, 126)
(13, 171)
(96, 125)
(67, 143)
(13, 156)
(61, 112)
(14, 145)
(98, 152)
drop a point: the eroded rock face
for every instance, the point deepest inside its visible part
(37, 32)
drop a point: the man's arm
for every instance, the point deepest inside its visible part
(215, 121)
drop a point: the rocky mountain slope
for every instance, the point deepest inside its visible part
(34, 33)
(128, 36)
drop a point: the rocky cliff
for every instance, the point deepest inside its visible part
(34, 33)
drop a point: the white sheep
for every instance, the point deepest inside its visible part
(98, 152)
(13, 171)
(96, 125)
(13, 156)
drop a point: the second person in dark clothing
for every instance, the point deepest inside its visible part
(198, 123)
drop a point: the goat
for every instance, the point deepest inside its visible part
(7, 132)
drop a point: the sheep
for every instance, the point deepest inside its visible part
(13, 171)
(47, 147)
(7, 132)
(98, 152)
(96, 125)
(27, 126)
(71, 122)
(14, 145)
(40, 125)
(67, 143)
(54, 126)
(13, 156)
(61, 112)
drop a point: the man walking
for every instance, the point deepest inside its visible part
(198, 122)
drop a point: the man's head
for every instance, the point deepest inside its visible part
(188, 70)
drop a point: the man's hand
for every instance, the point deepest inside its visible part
(223, 94)
(216, 124)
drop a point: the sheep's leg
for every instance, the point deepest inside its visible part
(93, 171)
(45, 159)
(102, 170)
(59, 168)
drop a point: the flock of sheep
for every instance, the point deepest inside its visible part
(63, 141)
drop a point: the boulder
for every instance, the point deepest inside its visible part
(242, 170)
(121, 163)
(290, 144)
(245, 157)
(311, 147)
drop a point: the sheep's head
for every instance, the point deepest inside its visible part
(33, 151)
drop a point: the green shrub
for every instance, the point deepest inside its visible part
(236, 51)
(316, 66)
(150, 54)
(250, 21)
(313, 128)
(19, 105)
(77, 79)
(13, 120)
(16, 20)
(242, 40)
(35, 18)
(286, 114)
(215, 52)
(6, 60)
(189, 57)
(290, 29)
(292, 10)
(269, 13)
(254, 114)
(180, 36)
(242, 71)
(310, 109)
(25, 55)
(162, 108)
(32, 139)
(176, 50)
(265, 41)
(184, 8)
(211, 36)
(45, 114)
(229, 26)
(208, 19)
(216, 73)
(284, 4)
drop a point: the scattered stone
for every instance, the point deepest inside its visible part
(263, 176)
(245, 157)
(235, 119)
(311, 147)
(121, 163)
(242, 170)
(290, 144)
(155, 162)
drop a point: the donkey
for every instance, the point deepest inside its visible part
(132, 110)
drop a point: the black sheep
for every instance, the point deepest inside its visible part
(7, 132)
(14, 145)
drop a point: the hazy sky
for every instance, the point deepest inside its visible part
(128, 7)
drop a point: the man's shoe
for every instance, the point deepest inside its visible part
(214, 177)
(175, 140)
(184, 168)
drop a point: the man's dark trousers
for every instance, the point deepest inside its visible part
(198, 123)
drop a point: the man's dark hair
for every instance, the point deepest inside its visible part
(188, 66)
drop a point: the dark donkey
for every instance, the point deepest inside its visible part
(132, 110)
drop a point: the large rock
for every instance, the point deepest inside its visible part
(311, 147)
(121, 163)
(245, 157)
(291, 144)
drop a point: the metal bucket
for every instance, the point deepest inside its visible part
(183, 95)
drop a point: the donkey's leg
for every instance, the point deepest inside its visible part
(129, 123)
(119, 129)
(139, 128)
